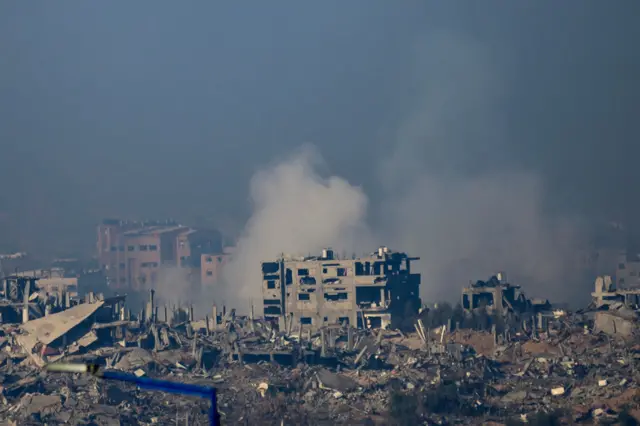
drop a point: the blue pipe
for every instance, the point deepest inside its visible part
(170, 387)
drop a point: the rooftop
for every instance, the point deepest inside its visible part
(153, 230)
(329, 254)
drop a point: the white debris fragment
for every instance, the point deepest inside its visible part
(557, 391)
(262, 389)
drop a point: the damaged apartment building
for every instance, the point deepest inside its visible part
(369, 292)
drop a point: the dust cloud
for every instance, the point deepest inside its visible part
(453, 194)
(295, 211)
(456, 198)
(172, 286)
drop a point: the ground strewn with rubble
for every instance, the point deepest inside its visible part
(566, 373)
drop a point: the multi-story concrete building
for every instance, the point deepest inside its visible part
(194, 243)
(131, 253)
(372, 292)
(628, 271)
(212, 265)
(146, 250)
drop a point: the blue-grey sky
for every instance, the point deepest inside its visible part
(162, 108)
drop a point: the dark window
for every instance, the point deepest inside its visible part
(209, 273)
(271, 284)
(219, 259)
(122, 266)
(620, 265)
(305, 320)
(120, 248)
(131, 248)
(303, 272)
(208, 259)
(153, 247)
(113, 248)
(336, 297)
(270, 267)
(342, 272)
(326, 319)
(272, 310)
(303, 296)
(289, 277)
(144, 248)
(375, 322)
(343, 320)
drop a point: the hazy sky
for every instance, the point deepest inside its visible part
(163, 108)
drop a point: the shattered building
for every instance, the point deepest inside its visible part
(19, 294)
(606, 294)
(500, 297)
(53, 280)
(369, 292)
(49, 338)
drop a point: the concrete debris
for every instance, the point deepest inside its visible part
(504, 360)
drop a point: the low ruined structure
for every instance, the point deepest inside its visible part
(498, 296)
(606, 294)
(369, 292)
(18, 298)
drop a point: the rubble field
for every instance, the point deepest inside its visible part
(568, 370)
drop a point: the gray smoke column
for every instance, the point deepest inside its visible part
(453, 196)
(295, 211)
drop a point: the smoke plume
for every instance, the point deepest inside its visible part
(295, 211)
(172, 286)
(452, 193)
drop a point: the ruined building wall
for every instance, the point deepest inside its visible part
(374, 292)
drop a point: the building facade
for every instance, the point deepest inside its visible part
(131, 254)
(628, 271)
(212, 265)
(370, 292)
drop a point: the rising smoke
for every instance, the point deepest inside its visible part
(451, 193)
(172, 287)
(295, 211)
(456, 197)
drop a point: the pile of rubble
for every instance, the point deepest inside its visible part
(566, 368)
